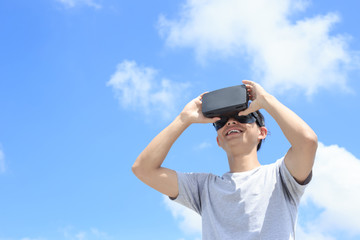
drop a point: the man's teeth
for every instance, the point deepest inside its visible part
(233, 131)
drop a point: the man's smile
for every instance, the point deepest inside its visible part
(233, 130)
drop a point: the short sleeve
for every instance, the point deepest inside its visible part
(293, 189)
(191, 186)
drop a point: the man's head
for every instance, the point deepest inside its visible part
(247, 129)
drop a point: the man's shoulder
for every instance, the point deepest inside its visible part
(198, 176)
(274, 165)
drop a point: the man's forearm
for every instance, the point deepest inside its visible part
(155, 153)
(147, 166)
(294, 128)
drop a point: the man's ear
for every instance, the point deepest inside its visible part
(263, 132)
(217, 140)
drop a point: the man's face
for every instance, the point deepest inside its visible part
(244, 135)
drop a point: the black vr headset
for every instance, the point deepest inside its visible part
(226, 103)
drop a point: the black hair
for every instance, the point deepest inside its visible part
(260, 121)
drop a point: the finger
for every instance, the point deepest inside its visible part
(252, 96)
(211, 120)
(248, 82)
(215, 119)
(247, 111)
(249, 88)
(201, 95)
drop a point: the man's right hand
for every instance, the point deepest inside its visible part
(192, 112)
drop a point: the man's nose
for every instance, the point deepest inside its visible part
(231, 121)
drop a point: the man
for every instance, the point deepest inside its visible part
(251, 201)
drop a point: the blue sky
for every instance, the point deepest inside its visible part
(86, 84)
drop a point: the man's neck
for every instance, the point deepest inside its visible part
(242, 162)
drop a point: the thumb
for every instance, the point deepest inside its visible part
(247, 111)
(213, 120)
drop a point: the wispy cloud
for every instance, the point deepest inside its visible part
(138, 88)
(70, 233)
(312, 234)
(2, 161)
(283, 54)
(203, 145)
(76, 3)
(26, 238)
(189, 221)
(335, 190)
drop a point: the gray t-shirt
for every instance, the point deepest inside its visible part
(257, 204)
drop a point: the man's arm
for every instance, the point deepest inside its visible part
(299, 160)
(147, 166)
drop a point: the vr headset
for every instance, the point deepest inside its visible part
(225, 101)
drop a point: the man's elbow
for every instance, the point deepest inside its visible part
(137, 169)
(307, 143)
(311, 141)
(141, 170)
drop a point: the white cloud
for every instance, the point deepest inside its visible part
(72, 234)
(138, 88)
(189, 221)
(283, 54)
(203, 145)
(2, 161)
(335, 190)
(75, 3)
(26, 238)
(313, 234)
